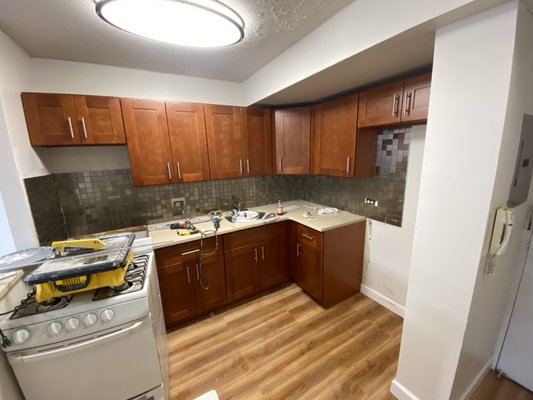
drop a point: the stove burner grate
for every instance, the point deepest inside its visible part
(134, 280)
(30, 306)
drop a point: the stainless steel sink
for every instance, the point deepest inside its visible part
(240, 217)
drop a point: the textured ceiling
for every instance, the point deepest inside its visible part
(70, 30)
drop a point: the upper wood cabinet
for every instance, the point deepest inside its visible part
(398, 102)
(293, 137)
(188, 141)
(334, 137)
(148, 142)
(256, 126)
(66, 120)
(226, 158)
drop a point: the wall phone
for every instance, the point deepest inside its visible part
(501, 231)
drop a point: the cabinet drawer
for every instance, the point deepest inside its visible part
(182, 252)
(254, 235)
(308, 236)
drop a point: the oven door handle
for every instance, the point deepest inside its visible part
(23, 359)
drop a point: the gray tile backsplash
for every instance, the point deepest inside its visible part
(88, 202)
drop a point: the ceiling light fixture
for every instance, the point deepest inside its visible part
(195, 23)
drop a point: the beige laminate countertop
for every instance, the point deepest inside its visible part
(7, 282)
(294, 211)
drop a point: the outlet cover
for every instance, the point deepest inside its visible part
(178, 202)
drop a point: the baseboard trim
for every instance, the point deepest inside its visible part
(384, 301)
(401, 392)
(477, 380)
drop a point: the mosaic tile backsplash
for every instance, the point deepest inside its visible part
(72, 204)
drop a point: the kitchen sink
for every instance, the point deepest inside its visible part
(244, 216)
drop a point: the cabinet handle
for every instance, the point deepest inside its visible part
(169, 172)
(281, 164)
(188, 275)
(298, 245)
(84, 127)
(179, 169)
(197, 272)
(248, 166)
(263, 253)
(190, 252)
(407, 109)
(70, 127)
(240, 165)
(305, 235)
(348, 164)
(395, 105)
(255, 251)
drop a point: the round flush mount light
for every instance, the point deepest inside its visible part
(195, 23)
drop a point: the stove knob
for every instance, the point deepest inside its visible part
(54, 328)
(21, 336)
(72, 324)
(89, 319)
(107, 315)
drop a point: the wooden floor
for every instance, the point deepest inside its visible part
(285, 346)
(494, 388)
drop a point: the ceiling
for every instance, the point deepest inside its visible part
(70, 30)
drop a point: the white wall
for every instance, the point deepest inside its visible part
(387, 247)
(491, 293)
(7, 244)
(471, 76)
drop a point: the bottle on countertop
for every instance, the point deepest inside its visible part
(279, 211)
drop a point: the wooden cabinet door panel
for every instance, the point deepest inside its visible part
(188, 141)
(51, 119)
(381, 106)
(146, 127)
(293, 137)
(99, 120)
(224, 141)
(177, 292)
(210, 281)
(416, 98)
(273, 268)
(309, 270)
(257, 141)
(242, 271)
(334, 135)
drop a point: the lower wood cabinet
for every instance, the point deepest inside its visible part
(256, 259)
(328, 265)
(192, 279)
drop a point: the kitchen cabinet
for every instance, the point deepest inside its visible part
(334, 137)
(191, 278)
(328, 265)
(66, 120)
(398, 102)
(188, 141)
(226, 158)
(293, 139)
(256, 259)
(257, 141)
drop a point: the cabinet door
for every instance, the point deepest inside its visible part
(177, 292)
(293, 136)
(273, 268)
(416, 98)
(210, 279)
(257, 141)
(334, 134)
(242, 271)
(309, 269)
(51, 119)
(224, 139)
(99, 120)
(188, 141)
(146, 127)
(381, 106)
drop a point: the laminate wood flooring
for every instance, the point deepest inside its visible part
(494, 388)
(285, 346)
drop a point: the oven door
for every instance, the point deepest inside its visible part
(117, 364)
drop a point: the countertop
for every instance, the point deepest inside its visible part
(8, 280)
(295, 210)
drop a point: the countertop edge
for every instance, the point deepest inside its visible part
(7, 283)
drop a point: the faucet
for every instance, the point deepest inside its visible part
(235, 204)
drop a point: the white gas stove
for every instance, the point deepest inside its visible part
(106, 343)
